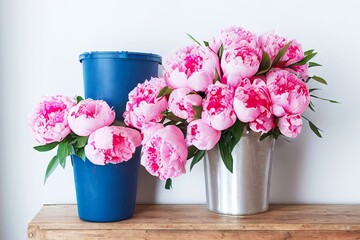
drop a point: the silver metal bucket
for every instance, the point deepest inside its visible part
(246, 190)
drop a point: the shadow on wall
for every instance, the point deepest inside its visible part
(147, 190)
(288, 171)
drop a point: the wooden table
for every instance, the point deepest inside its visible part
(173, 222)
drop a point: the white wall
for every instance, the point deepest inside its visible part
(39, 47)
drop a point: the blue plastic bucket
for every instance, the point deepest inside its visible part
(108, 193)
(110, 76)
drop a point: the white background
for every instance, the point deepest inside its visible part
(39, 48)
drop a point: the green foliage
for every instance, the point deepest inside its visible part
(198, 156)
(319, 79)
(198, 111)
(79, 99)
(265, 64)
(72, 144)
(168, 184)
(192, 38)
(229, 138)
(314, 128)
(164, 92)
(220, 51)
(46, 147)
(280, 54)
(54, 162)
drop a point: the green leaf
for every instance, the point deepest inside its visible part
(265, 64)
(308, 52)
(216, 77)
(304, 60)
(236, 130)
(173, 117)
(265, 135)
(79, 99)
(81, 141)
(312, 107)
(314, 89)
(164, 91)
(80, 152)
(220, 51)
(191, 151)
(198, 111)
(314, 128)
(192, 38)
(314, 64)
(54, 162)
(319, 79)
(46, 147)
(324, 99)
(226, 155)
(280, 54)
(118, 123)
(62, 152)
(206, 43)
(198, 156)
(168, 184)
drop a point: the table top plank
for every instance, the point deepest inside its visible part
(198, 217)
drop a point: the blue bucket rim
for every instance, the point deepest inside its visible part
(120, 55)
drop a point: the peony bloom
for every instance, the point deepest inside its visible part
(301, 71)
(113, 144)
(143, 106)
(201, 135)
(235, 37)
(290, 125)
(272, 43)
(252, 103)
(191, 67)
(240, 63)
(289, 94)
(49, 121)
(181, 102)
(89, 115)
(218, 109)
(164, 153)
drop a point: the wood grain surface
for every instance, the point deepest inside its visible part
(56, 222)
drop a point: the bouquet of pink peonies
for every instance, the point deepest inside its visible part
(81, 127)
(211, 93)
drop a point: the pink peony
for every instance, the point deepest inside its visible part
(301, 71)
(191, 67)
(272, 43)
(218, 109)
(215, 44)
(252, 103)
(290, 125)
(289, 94)
(89, 115)
(240, 63)
(235, 37)
(181, 102)
(201, 135)
(113, 144)
(143, 106)
(49, 121)
(164, 153)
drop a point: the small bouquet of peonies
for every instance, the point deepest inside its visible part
(81, 127)
(209, 94)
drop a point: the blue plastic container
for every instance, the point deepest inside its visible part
(108, 193)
